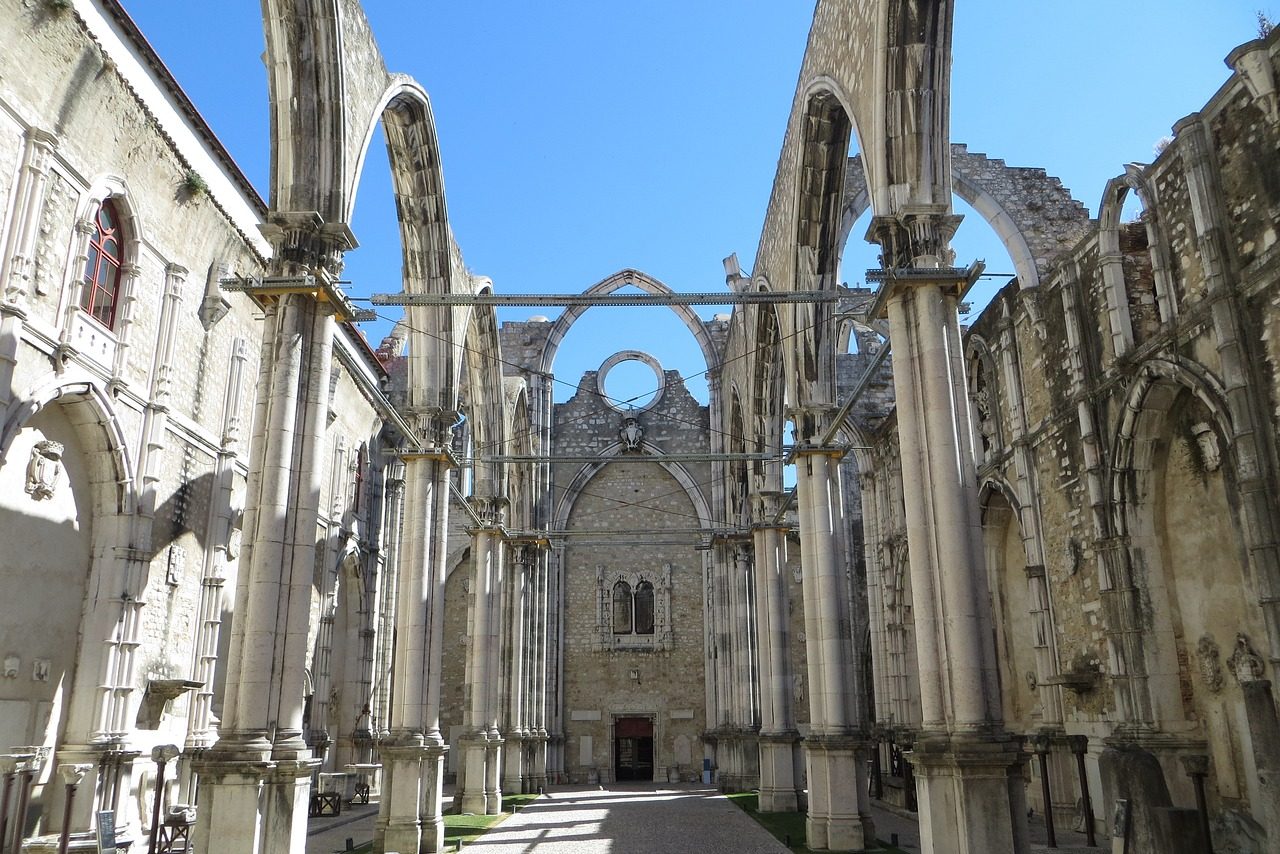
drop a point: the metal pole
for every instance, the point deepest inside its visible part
(20, 816)
(72, 774)
(1079, 746)
(1040, 743)
(4, 803)
(161, 754)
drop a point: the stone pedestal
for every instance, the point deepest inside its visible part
(471, 776)
(513, 763)
(254, 807)
(493, 775)
(399, 827)
(539, 772)
(838, 818)
(778, 792)
(971, 793)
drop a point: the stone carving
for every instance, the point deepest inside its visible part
(11, 665)
(631, 433)
(1210, 663)
(1207, 442)
(40, 669)
(43, 469)
(797, 688)
(1244, 662)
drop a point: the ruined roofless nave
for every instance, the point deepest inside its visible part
(1030, 565)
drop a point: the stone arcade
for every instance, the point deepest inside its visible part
(228, 524)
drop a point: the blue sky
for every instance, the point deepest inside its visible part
(579, 138)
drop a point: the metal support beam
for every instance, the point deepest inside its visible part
(628, 458)
(613, 299)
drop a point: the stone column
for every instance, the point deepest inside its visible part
(479, 790)
(968, 768)
(410, 811)
(540, 710)
(839, 816)
(779, 740)
(513, 750)
(255, 780)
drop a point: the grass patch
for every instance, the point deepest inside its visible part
(467, 828)
(786, 827)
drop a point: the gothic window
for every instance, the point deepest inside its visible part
(632, 611)
(622, 609)
(101, 288)
(644, 608)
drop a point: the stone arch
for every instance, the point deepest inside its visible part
(984, 398)
(1031, 213)
(766, 395)
(484, 404)
(614, 453)
(1144, 443)
(615, 282)
(325, 75)
(90, 409)
(826, 128)
(1122, 300)
(519, 482)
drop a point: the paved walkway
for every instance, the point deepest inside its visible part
(638, 819)
(642, 819)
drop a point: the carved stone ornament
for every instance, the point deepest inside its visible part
(43, 469)
(40, 669)
(1244, 662)
(1207, 442)
(631, 433)
(11, 665)
(1210, 663)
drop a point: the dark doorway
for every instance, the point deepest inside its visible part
(633, 749)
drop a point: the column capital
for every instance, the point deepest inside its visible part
(916, 236)
(303, 243)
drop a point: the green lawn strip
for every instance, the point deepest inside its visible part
(785, 826)
(467, 828)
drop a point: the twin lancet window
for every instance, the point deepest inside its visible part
(633, 611)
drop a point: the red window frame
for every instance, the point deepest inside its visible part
(100, 293)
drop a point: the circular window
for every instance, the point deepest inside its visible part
(631, 380)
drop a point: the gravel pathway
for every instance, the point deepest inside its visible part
(628, 820)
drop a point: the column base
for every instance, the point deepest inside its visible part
(410, 812)
(778, 754)
(971, 793)
(513, 764)
(471, 776)
(253, 807)
(493, 775)
(838, 817)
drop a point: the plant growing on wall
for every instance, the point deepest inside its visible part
(194, 185)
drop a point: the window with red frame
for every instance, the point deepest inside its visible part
(101, 289)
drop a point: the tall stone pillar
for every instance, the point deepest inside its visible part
(517, 726)
(479, 781)
(256, 779)
(410, 816)
(968, 768)
(839, 816)
(540, 675)
(779, 740)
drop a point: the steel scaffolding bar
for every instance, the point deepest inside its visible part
(613, 299)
